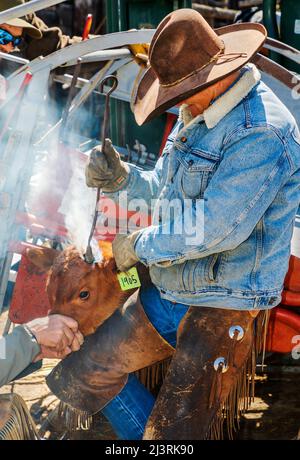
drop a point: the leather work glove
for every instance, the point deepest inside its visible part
(106, 170)
(140, 52)
(123, 251)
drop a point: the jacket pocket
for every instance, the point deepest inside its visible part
(213, 266)
(196, 172)
(200, 273)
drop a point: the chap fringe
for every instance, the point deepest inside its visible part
(19, 425)
(242, 393)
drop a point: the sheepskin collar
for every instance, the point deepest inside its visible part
(226, 102)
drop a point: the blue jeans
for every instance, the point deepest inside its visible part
(128, 412)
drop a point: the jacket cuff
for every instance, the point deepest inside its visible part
(29, 341)
(129, 184)
(18, 351)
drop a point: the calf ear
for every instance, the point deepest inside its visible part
(42, 258)
(110, 265)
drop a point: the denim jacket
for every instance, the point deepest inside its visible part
(241, 157)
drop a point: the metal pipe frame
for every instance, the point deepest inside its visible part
(17, 178)
(87, 87)
(27, 8)
(12, 58)
(283, 49)
(275, 70)
(71, 53)
(99, 56)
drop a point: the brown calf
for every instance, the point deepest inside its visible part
(88, 293)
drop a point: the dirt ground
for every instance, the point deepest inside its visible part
(274, 414)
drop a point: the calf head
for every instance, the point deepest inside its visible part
(87, 293)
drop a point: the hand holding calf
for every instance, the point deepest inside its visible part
(57, 335)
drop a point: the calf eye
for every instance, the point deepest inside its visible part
(84, 295)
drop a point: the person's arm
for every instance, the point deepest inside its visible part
(255, 165)
(146, 185)
(52, 39)
(141, 184)
(53, 336)
(17, 351)
(113, 176)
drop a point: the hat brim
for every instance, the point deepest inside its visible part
(29, 29)
(151, 99)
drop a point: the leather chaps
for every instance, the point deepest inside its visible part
(208, 375)
(89, 379)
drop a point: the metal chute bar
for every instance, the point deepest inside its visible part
(286, 77)
(73, 52)
(283, 49)
(87, 87)
(27, 8)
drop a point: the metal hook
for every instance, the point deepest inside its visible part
(89, 256)
(114, 85)
(106, 110)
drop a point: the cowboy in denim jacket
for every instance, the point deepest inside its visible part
(236, 151)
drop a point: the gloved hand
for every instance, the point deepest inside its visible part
(106, 170)
(140, 52)
(123, 250)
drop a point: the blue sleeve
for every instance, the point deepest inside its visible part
(254, 166)
(146, 185)
(141, 184)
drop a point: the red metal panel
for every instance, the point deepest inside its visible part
(29, 299)
(292, 279)
(284, 325)
(290, 298)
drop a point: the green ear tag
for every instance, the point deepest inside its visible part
(129, 279)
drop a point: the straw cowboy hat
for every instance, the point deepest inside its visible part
(28, 28)
(186, 55)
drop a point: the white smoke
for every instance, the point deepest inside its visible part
(58, 185)
(78, 205)
(57, 195)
